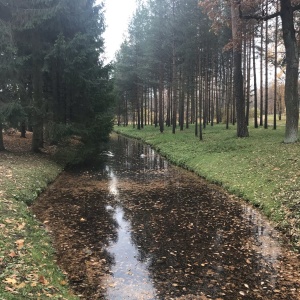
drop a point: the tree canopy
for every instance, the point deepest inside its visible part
(199, 62)
(54, 69)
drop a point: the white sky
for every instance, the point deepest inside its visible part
(117, 16)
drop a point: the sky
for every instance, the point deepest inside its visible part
(117, 15)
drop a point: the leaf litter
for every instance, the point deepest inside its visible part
(196, 241)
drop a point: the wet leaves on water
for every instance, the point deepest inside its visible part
(198, 242)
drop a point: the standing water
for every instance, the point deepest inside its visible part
(139, 228)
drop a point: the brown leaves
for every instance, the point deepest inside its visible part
(12, 254)
(43, 280)
(20, 244)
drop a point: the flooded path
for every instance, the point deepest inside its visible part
(138, 228)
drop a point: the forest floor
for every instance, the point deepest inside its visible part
(28, 269)
(261, 169)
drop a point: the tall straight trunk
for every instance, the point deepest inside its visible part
(205, 99)
(187, 112)
(266, 73)
(292, 64)
(126, 111)
(37, 122)
(275, 74)
(254, 82)
(193, 113)
(155, 106)
(248, 81)
(242, 129)
(2, 148)
(168, 117)
(151, 105)
(161, 87)
(212, 103)
(195, 100)
(200, 100)
(261, 76)
(174, 89)
(228, 97)
(140, 96)
(181, 101)
(138, 112)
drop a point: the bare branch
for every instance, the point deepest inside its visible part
(258, 17)
(262, 17)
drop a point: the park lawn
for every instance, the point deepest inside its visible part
(27, 260)
(260, 169)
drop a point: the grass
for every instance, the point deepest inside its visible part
(260, 169)
(27, 263)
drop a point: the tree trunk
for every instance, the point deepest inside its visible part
(255, 83)
(23, 130)
(275, 73)
(266, 74)
(292, 62)
(261, 76)
(37, 82)
(2, 148)
(242, 129)
(161, 87)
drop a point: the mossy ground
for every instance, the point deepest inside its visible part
(260, 169)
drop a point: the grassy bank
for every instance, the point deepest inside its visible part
(27, 261)
(260, 169)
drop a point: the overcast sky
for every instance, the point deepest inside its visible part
(117, 15)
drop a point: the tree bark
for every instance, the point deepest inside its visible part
(37, 82)
(242, 129)
(161, 87)
(292, 63)
(2, 148)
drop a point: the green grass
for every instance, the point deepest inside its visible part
(260, 169)
(27, 262)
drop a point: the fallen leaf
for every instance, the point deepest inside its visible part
(43, 280)
(10, 281)
(12, 254)
(63, 282)
(21, 285)
(21, 226)
(7, 288)
(20, 244)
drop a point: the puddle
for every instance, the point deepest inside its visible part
(130, 278)
(142, 229)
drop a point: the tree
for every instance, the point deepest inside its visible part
(61, 78)
(236, 28)
(286, 12)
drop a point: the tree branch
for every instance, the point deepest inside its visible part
(259, 17)
(262, 17)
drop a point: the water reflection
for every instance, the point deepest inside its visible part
(129, 275)
(263, 235)
(185, 237)
(143, 229)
